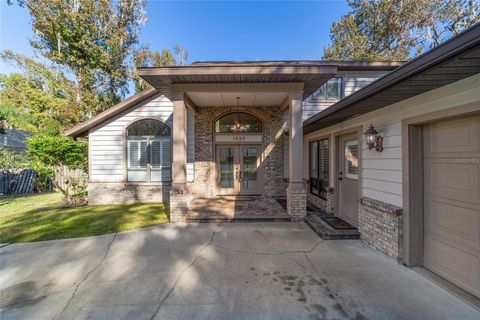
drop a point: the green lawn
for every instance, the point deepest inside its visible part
(20, 221)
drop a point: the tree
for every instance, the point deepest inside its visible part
(386, 30)
(144, 57)
(95, 39)
(37, 99)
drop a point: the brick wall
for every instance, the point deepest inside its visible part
(380, 225)
(114, 193)
(204, 183)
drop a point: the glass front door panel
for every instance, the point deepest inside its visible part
(249, 174)
(226, 161)
(351, 159)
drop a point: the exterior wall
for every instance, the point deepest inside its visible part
(352, 81)
(204, 183)
(381, 172)
(107, 150)
(107, 180)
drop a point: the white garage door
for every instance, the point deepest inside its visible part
(452, 201)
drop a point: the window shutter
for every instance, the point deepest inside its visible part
(156, 153)
(133, 152)
(143, 154)
(314, 168)
(324, 167)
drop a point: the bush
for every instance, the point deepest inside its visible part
(54, 151)
(10, 159)
(50, 152)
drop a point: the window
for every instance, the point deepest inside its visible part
(351, 159)
(149, 151)
(319, 161)
(238, 122)
(332, 90)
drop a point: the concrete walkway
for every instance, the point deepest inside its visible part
(210, 271)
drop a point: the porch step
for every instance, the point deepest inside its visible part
(236, 209)
(326, 231)
(213, 219)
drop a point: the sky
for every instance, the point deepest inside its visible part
(214, 30)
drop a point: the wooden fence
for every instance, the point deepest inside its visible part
(15, 182)
(62, 174)
(18, 182)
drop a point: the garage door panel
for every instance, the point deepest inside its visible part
(459, 135)
(453, 219)
(454, 265)
(452, 180)
(452, 201)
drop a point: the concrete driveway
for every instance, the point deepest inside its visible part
(210, 271)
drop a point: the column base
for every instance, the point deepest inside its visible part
(297, 200)
(179, 200)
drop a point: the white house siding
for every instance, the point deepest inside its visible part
(352, 81)
(381, 172)
(107, 161)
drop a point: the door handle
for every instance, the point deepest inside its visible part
(241, 176)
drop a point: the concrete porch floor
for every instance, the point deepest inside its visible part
(215, 271)
(236, 209)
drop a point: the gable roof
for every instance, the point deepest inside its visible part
(313, 73)
(453, 60)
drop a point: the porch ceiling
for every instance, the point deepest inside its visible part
(312, 75)
(246, 99)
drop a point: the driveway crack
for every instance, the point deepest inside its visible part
(269, 253)
(87, 276)
(179, 277)
(5, 245)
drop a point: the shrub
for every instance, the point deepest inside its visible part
(10, 159)
(50, 152)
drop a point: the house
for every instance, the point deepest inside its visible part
(295, 129)
(215, 128)
(14, 140)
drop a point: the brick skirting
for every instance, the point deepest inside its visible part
(114, 193)
(381, 225)
(324, 204)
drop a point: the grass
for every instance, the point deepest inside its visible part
(20, 221)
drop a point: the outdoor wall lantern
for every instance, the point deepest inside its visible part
(374, 139)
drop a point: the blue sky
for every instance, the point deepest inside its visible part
(217, 30)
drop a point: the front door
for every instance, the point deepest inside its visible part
(238, 170)
(348, 166)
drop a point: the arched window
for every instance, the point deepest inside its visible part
(149, 151)
(238, 122)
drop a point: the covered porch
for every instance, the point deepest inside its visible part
(237, 131)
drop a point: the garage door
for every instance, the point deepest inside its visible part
(452, 201)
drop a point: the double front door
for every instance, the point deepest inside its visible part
(238, 169)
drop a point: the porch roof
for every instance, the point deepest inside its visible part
(313, 74)
(453, 60)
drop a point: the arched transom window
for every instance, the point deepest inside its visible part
(238, 122)
(149, 151)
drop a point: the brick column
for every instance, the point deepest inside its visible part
(296, 193)
(178, 195)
